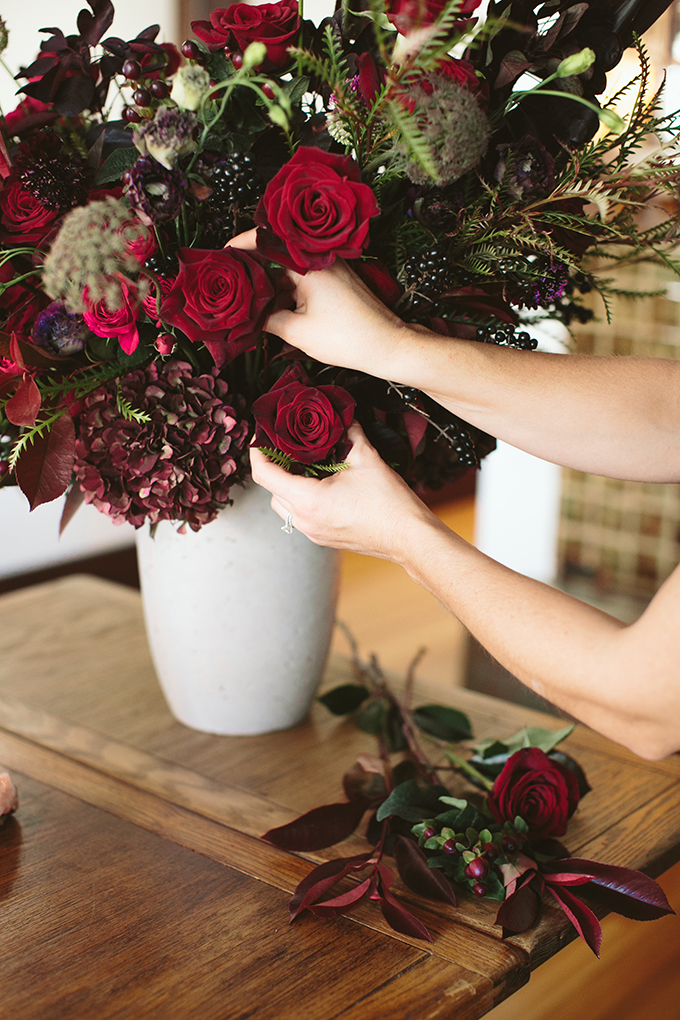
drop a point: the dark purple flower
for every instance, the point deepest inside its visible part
(526, 169)
(155, 193)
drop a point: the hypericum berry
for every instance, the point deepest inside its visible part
(159, 89)
(478, 868)
(237, 61)
(429, 833)
(268, 91)
(449, 847)
(130, 115)
(190, 49)
(511, 844)
(479, 889)
(142, 97)
(132, 70)
(491, 851)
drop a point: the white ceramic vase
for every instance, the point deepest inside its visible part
(239, 617)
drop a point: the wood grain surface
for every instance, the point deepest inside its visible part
(82, 713)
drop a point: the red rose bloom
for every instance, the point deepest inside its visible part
(315, 210)
(120, 323)
(23, 214)
(222, 298)
(542, 791)
(19, 304)
(407, 15)
(305, 421)
(275, 25)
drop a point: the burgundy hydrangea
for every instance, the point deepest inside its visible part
(178, 466)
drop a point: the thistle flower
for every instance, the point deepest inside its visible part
(177, 465)
(452, 122)
(59, 331)
(168, 137)
(91, 252)
(155, 193)
(4, 35)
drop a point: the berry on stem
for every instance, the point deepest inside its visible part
(132, 70)
(142, 97)
(479, 889)
(478, 868)
(159, 89)
(449, 847)
(190, 49)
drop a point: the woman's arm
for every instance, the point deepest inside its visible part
(623, 681)
(614, 416)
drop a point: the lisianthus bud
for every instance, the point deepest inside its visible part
(254, 54)
(165, 343)
(612, 120)
(577, 63)
(190, 87)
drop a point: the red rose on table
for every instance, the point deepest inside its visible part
(544, 792)
(275, 25)
(23, 214)
(222, 298)
(120, 323)
(407, 15)
(305, 421)
(315, 210)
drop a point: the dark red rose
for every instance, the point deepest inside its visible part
(23, 214)
(305, 421)
(542, 791)
(378, 278)
(407, 15)
(222, 298)
(315, 210)
(275, 25)
(29, 115)
(459, 70)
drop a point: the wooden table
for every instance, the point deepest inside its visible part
(132, 881)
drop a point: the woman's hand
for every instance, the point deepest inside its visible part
(366, 508)
(337, 319)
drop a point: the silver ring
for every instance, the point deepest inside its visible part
(288, 526)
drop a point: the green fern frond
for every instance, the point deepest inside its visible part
(128, 412)
(330, 469)
(277, 457)
(28, 438)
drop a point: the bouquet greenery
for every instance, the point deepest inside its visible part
(464, 166)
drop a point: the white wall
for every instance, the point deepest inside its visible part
(24, 20)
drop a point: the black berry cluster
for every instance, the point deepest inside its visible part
(429, 275)
(507, 335)
(236, 186)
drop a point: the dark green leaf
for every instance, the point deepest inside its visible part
(442, 722)
(115, 165)
(344, 699)
(410, 802)
(370, 718)
(393, 731)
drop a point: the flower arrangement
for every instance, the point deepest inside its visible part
(495, 835)
(134, 363)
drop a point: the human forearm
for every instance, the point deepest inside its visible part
(575, 656)
(618, 417)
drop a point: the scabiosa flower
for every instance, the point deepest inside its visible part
(168, 137)
(155, 193)
(91, 253)
(177, 466)
(452, 122)
(58, 177)
(59, 331)
(525, 168)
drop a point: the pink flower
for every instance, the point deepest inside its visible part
(142, 242)
(9, 800)
(120, 323)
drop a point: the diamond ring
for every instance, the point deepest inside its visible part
(288, 526)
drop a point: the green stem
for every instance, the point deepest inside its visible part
(470, 770)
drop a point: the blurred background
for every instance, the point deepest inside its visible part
(609, 542)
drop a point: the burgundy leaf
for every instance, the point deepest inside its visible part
(634, 894)
(74, 498)
(512, 65)
(341, 904)
(415, 873)
(45, 466)
(519, 911)
(74, 95)
(93, 28)
(321, 827)
(581, 916)
(27, 355)
(23, 406)
(400, 919)
(362, 782)
(322, 878)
